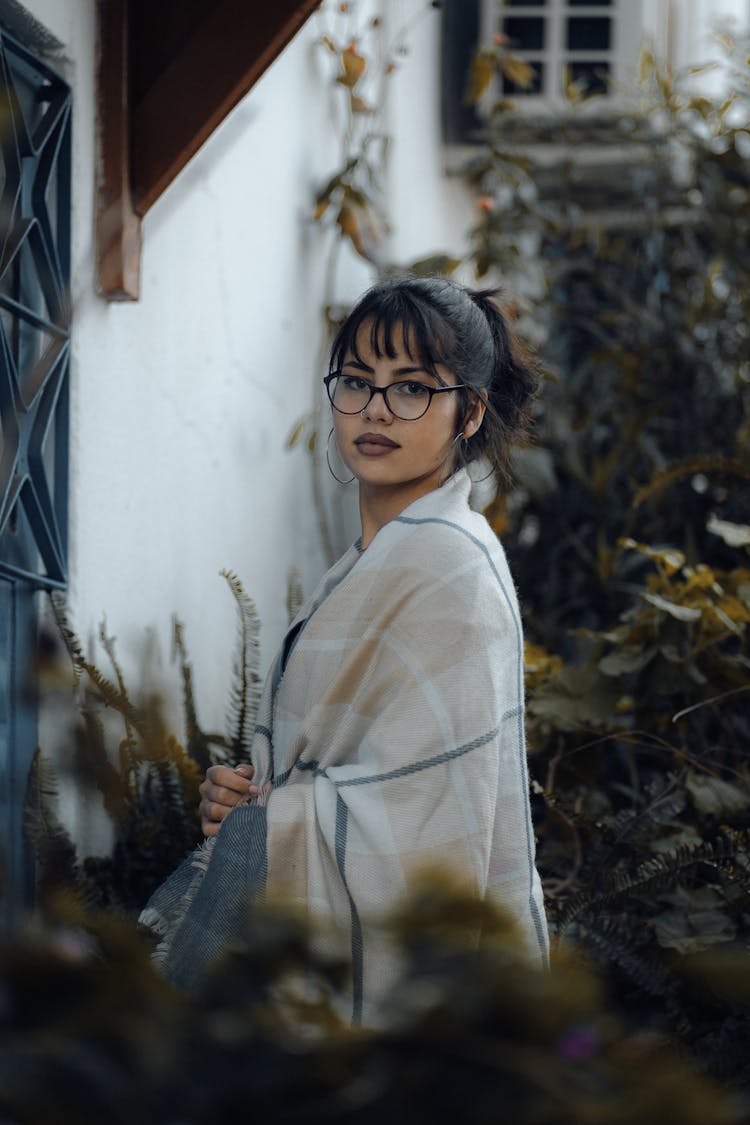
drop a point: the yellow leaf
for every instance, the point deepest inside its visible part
(356, 224)
(320, 208)
(517, 71)
(441, 264)
(353, 67)
(669, 557)
(482, 70)
(296, 433)
(503, 105)
(329, 43)
(703, 68)
(359, 105)
(645, 65)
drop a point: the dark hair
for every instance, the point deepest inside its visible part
(440, 321)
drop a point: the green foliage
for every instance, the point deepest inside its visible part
(628, 534)
(471, 1034)
(146, 779)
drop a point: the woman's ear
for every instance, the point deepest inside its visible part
(475, 415)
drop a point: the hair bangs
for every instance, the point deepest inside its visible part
(397, 321)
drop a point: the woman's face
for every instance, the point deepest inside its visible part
(383, 451)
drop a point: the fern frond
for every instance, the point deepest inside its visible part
(108, 644)
(607, 939)
(127, 747)
(659, 873)
(108, 691)
(245, 690)
(94, 768)
(56, 854)
(198, 742)
(67, 633)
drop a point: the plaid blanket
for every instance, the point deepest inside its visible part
(391, 741)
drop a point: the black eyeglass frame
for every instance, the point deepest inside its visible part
(328, 379)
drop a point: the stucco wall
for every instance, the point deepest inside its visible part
(181, 403)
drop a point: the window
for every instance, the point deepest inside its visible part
(593, 46)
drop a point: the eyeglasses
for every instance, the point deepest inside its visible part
(407, 399)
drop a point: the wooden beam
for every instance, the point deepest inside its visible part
(118, 227)
(217, 66)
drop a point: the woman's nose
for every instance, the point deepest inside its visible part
(377, 407)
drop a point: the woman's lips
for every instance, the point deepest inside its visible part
(375, 445)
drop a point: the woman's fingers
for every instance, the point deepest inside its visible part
(226, 798)
(230, 778)
(220, 791)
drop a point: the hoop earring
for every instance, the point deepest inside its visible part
(328, 460)
(463, 439)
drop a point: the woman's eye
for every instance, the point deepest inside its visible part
(411, 390)
(353, 383)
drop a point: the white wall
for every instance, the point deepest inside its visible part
(182, 402)
(430, 212)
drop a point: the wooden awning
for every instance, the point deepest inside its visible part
(168, 74)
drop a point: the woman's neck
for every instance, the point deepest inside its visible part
(379, 504)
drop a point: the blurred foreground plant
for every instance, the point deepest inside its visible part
(470, 1034)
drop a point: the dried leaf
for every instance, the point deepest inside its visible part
(441, 264)
(691, 933)
(356, 223)
(645, 65)
(480, 76)
(629, 658)
(359, 105)
(517, 71)
(715, 797)
(296, 433)
(353, 65)
(733, 534)
(681, 612)
(669, 558)
(575, 699)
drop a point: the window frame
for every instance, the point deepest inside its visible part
(626, 36)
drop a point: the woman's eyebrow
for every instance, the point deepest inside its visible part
(412, 369)
(358, 364)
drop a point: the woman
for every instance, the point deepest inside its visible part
(390, 733)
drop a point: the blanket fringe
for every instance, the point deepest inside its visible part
(166, 927)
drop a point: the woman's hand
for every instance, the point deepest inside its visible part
(220, 791)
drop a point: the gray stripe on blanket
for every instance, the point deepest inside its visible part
(415, 767)
(342, 821)
(539, 925)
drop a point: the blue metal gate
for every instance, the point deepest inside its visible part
(35, 115)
